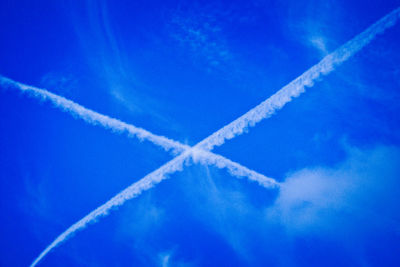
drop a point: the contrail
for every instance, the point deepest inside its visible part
(95, 118)
(208, 158)
(146, 183)
(268, 107)
(118, 126)
(130, 192)
(150, 181)
(262, 111)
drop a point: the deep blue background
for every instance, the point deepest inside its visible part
(184, 69)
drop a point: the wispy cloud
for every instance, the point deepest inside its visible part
(99, 29)
(106, 55)
(221, 206)
(166, 259)
(362, 188)
(200, 33)
(59, 82)
(314, 27)
(319, 42)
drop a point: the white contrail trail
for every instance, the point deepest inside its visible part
(233, 168)
(148, 182)
(268, 107)
(264, 110)
(118, 126)
(93, 117)
(130, 192)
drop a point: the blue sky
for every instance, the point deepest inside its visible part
(183, 70)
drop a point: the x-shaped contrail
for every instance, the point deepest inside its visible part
(201, 151)
(116, 125)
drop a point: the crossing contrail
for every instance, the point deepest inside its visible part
(118, 126)
(262, 111)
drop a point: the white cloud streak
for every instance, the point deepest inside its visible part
(235, 169)
(260, 112)
(296, 87)
(93, 117)
(130, 192)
